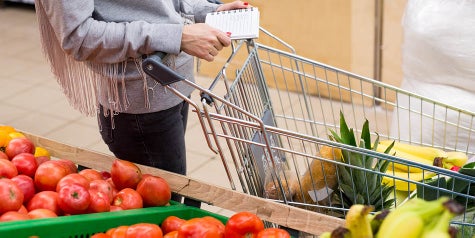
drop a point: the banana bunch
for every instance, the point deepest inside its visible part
(357, 224)
(420, 218)
(423, 155)
(415, 219)
(399, 179)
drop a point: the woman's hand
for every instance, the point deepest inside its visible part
(203, 41)
(233, 5)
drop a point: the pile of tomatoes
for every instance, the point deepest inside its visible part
(33, 185)
(240, 225)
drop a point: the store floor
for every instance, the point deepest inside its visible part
(32, 101)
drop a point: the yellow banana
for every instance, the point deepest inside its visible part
(419, 154)
(326, 235)
(408, 221)
(422, 151)
(340, 232)
(377, 218)
(357, 221)
(439, 225)
(402, 185)
(456, 158)
(407, 225)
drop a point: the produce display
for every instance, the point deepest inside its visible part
(34, 185)
(417, 218)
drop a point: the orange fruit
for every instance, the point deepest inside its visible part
(40, 151)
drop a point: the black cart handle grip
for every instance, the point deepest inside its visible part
(155, 68)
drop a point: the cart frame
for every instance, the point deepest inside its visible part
(260, 135)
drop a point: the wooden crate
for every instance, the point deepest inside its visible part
(281, 214)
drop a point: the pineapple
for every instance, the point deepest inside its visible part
(357, 186)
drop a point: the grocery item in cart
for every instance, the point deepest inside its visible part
(320, 179)
(418, 218)
(438, 59)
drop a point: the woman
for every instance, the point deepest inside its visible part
(96, 48)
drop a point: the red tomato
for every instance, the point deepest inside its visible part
(72, 178)
(118, 232)
(3, 155)
(25, 164)
(41, 159)
(198, 227)
(243, 224)
(105, 175)
(26, 185)
(23, 210)
(103, 186)
(214, 221)
(41, 213)
(115, 208)
(154, 190)
(100, 235)
(13, 216)
(70, 165)
(144, 230)
(74, 199)
(99, 202)
(173, 234)
(11, 196)
(128, 198)
(19, 145)
(114, 189)
(171, 223)
(125, 174)
(273, 233)
(49, 173)
(45, 199)
(7, 169)
(91, 174)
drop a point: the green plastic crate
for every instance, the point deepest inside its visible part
(84, 226)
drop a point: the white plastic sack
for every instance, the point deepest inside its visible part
(438, 63)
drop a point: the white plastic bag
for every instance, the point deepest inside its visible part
(438, 63)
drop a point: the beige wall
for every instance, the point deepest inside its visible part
(335, 32)
(392, 40)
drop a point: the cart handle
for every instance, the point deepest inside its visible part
(153, 65)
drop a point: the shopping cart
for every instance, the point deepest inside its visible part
(269, 112)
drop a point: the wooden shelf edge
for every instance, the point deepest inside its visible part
(284, 215)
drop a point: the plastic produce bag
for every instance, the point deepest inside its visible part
(438, 63)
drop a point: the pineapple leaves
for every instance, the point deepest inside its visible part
(360, 180)
(347, 135)
(365, 135)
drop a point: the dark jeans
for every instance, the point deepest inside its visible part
(153, 139)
